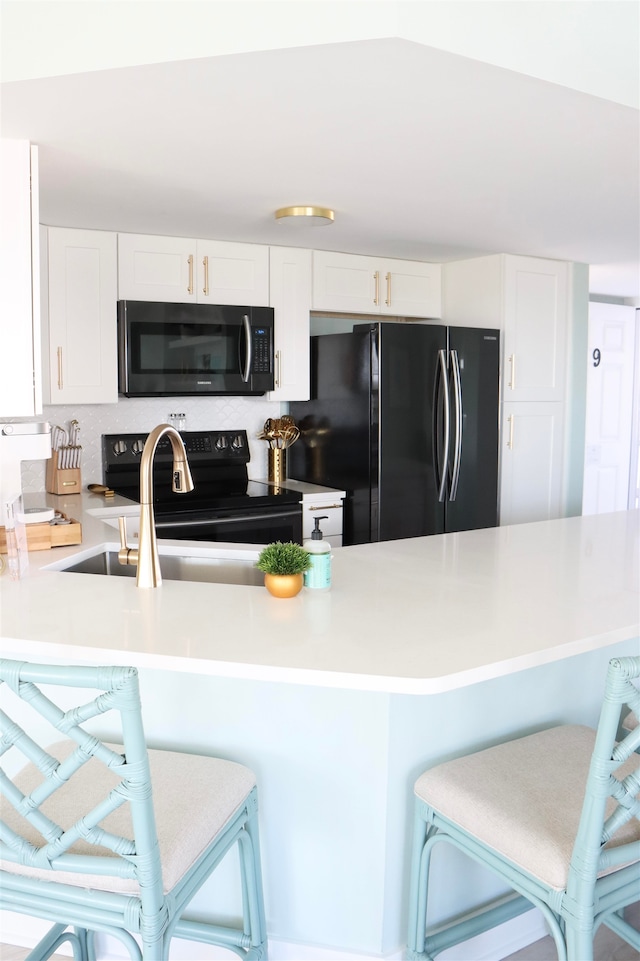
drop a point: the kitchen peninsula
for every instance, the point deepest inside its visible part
(424, 648)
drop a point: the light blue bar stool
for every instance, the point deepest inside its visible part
(554, 814)
(115, 838)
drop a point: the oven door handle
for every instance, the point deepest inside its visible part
(213, 521)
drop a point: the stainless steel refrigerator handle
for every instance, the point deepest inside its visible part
(247, 330)
(457, 451)
(442, 360)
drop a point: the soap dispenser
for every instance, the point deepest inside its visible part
(318, 577)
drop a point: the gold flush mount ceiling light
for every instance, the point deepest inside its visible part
(311, 216)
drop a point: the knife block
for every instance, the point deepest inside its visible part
(62, 481)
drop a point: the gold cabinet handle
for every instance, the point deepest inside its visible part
(278, 371)
(60, 379)
(512, 361)
(190, 284)
(511, 419)
(388, 280)
(376, 298)
(325, 507)
(205, 264)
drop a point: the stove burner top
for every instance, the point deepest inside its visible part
(218, 462)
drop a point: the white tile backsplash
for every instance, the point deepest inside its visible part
(132, 414)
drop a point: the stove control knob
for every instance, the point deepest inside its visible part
(138, 446)
(120, 447)
(238, 442)
(221, 442)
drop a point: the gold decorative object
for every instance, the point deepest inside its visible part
(284, 585)
(281, 433)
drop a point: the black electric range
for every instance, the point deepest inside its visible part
(224, 504)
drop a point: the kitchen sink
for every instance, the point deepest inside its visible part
(203, 565)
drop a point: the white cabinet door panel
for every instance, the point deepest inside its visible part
(81, 316)
(535, 323)
(231, 273)
(531, 462)
(345, 283)
(410, 289)
(290, 297)
(156, 268)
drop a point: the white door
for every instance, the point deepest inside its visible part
(609, 408)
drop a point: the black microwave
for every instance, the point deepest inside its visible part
(193, 349)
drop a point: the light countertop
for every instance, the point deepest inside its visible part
(417, 616)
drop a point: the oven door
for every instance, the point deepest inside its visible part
(247, 526)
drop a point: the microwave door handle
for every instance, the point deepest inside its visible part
(248, 351)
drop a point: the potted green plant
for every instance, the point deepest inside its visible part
(283, 565)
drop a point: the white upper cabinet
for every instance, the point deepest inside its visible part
(20, 362)
(528, 299)
(370, 285)
(290, 287)
(232, 274)
(181, 270)
(535, 328)
(79, 288)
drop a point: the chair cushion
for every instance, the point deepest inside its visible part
(523, 798)
(193, 796)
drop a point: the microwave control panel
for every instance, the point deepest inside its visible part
(261, 350)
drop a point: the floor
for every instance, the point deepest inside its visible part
(607, 947)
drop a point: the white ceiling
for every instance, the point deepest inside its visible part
(422, 153)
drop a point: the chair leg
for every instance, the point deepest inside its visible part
(252, 892)
(579, 943)
(418, 887)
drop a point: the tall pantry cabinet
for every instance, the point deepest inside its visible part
(529, 299)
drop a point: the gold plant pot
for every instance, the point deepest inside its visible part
(283, 585)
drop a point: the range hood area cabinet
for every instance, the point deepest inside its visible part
(79, 295)
(349, 283)
(20, 361)
(180, 270)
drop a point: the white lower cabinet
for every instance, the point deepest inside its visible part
(20, 364)
(290, 296)
(318, 501)
(79, 297)
(183, 270)
(355, 284)
(531, 462)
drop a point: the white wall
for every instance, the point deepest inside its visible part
(130, 415)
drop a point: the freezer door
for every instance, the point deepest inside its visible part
(407, 496)
(474, 502)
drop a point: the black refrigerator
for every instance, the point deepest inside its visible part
(404, 417)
